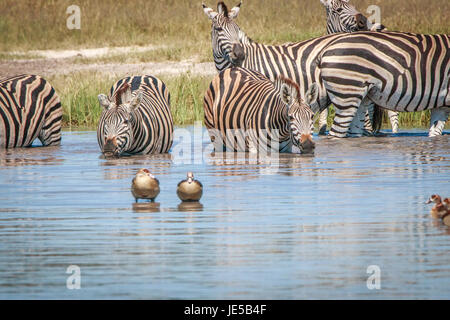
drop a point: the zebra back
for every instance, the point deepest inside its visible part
(29, 109)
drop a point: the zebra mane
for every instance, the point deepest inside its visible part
(282, 79)
(224, 7)
(120, 92)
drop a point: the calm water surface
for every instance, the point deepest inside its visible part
(306, 228)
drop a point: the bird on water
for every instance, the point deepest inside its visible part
(190, 189)
(144, 186)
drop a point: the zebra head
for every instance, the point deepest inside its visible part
(225, 35)
(115, 128)
(299, 113)
(343, 17)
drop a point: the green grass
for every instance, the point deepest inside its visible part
(78, 93)
(406, 119)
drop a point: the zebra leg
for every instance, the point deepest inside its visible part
(393, 119)
(342, 120)
(356, 128)
(368, 120)
(437, 122)
(50, 134)
(323, 122)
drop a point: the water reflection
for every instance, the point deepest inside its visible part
(293, 227)
(31, 156)
(147, 207)
(190, 207)
(119, 168)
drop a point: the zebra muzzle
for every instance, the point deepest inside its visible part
(110, 147)
(361, 21)
(307, 143)
(237, 55)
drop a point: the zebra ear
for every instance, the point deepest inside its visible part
(326, 3)
(136, 101)
(209, 12)
(288, 94)
(222, 8)
(235, 11)
(312, 94)
(104, 101)
(126, 96)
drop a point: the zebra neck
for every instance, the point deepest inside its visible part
(136, 127)
(244, 39)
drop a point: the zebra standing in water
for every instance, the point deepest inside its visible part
(136, 117)
(394, 70)
(296, 61)
(420, 76)
(264, 111)
(343, 17)
(29, 109)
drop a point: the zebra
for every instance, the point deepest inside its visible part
(303, 62)
(136, 117)
(394, 70)
(261, 110)
(296, 61)
(30, 108)
(343, 17)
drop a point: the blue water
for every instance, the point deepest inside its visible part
(299, 228)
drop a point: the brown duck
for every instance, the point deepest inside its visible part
(190, 189)
(145, 186)
(439, 210)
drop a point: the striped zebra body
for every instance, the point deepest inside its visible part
(343, 17)
(296, 61)
(303, 63)
(394, 70)
(244, 105)
(136, 117)
(29, 109)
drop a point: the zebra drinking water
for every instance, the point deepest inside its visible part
(29, 109)
(262, 111)
(420, 57)
(296, 61)
(394, 70)
(136, 117)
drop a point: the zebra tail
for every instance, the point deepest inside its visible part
(378, 117)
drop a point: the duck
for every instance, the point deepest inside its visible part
(439, 210)
(190, 190)
(446, 203)
(144, 186)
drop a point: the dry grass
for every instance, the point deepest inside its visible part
(41, 24)
(184, 30)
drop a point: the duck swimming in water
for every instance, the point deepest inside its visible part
(145, 186)
(439, 209)
(190, 189)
